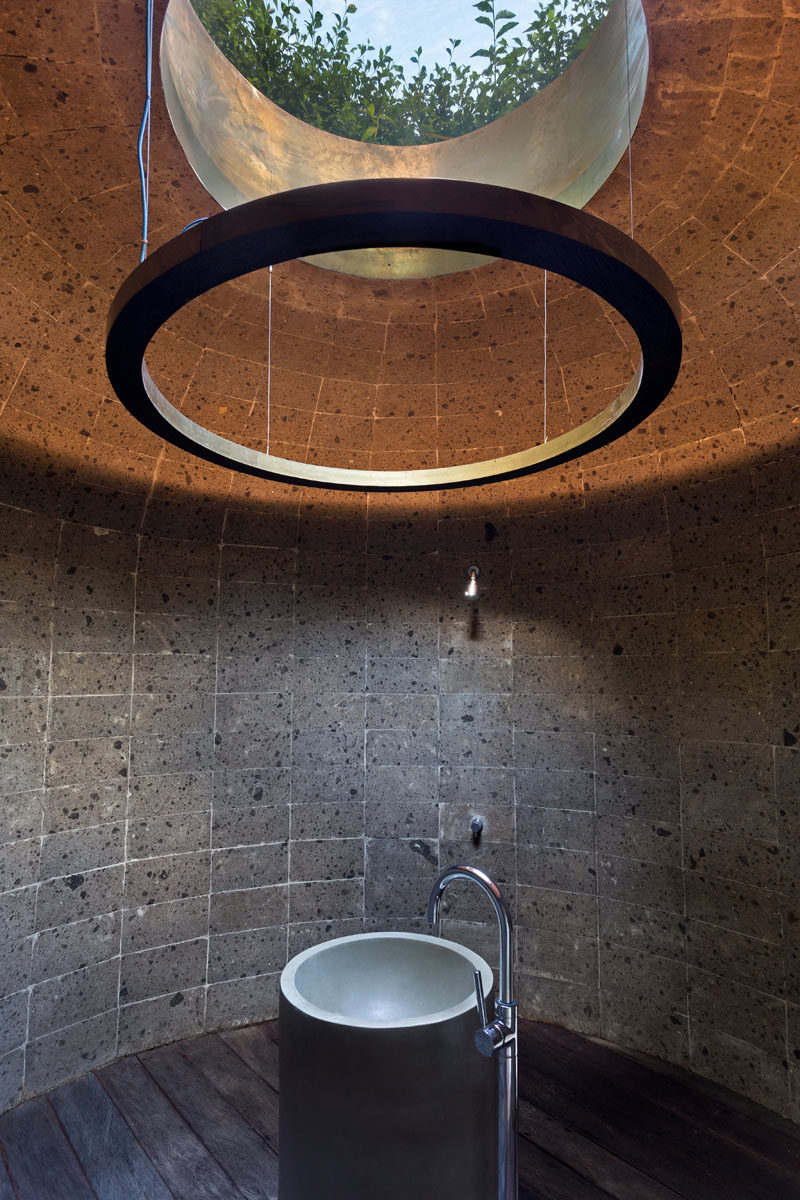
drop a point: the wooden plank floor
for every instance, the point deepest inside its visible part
(199, 1121)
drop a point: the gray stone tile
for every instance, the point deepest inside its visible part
(257, 564)
(455, 821)
(327, 710)
(172, 713)
(572, 913)
(90, 673)
(177, 834)
(161, 924)
(23, 672)
(176, 633)
(71, 807)
(82, 850)
(160, 1020)
(11, 1069)
(637, 796)
(557, 869)
(176, 594)
(22, 719)
(337, 899)
(77, 896)
(68, 999)
(249, 908)
(177, 753)
(561, 751)
(63, 1055)
(251, 826)
(648, 884)
(21, 815)
(558, 956)
(735, 957)
(13, 1022)
(249, 866)
(92, 631)
(559, 714)
(172, 877)
(313, 933)
(741, 1012)
(17, 912)
(650, 1027)
(242, 1001)
(467, 745)
(333, 858)
(162, 970)
(721, 853)
(66, 948)
(403, 674)
(562, 828)
(755, 912)
(402, 747)
(552, 1000)
(401, 711)
(646, 841)
(311, 821)
(651, 930)
(258, 786)
(87, 760)
(740, 1066)
(166, 672)
(331, 784)
(315, 748)
(21, 767)
(16, 965)
(547, 787)
(19, 864)
(249, 953)
(166, 795)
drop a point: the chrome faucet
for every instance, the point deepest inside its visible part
(500, 1035)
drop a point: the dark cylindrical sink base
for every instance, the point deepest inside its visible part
(404, 1113)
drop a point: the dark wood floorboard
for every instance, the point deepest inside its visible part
(186, 1166)
(240, 1151)
(199, 1121)
(114, 1162)
(6, 1190)
(41, 1162)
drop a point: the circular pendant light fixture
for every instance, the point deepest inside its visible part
(440, 213)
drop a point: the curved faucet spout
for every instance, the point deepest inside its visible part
(506, 980)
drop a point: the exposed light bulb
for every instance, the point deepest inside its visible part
(472, 587)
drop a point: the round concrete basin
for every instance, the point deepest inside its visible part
(382, 1090)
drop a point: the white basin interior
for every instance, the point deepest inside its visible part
(385, 980)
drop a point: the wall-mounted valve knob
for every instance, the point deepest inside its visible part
(476, 825)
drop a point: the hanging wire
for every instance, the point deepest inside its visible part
(630, 130)
(269, 353)
(544, 438)
(144, 130)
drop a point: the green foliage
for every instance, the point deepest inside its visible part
(358, 91)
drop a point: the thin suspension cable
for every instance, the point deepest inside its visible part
(144, 130)
(630, 130)
(544, 436)
(269, 354)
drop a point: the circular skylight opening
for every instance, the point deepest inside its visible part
(400, 73)
(562, 144)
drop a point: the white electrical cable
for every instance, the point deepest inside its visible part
(144, 130)
(544, 437)
(269, 354)
(630, 130)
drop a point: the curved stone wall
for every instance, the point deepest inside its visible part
(238, 716)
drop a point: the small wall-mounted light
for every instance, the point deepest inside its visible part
(472, 583)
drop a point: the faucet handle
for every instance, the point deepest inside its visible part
(480, 999)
